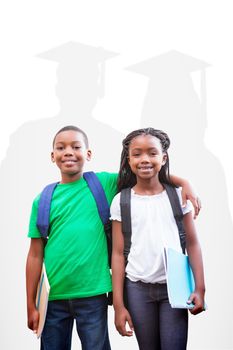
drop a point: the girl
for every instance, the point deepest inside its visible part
(145, 167)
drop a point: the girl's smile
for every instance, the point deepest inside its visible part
(145, 169)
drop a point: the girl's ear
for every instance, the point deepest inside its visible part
(89, 154)
(164, 159)
(52, 157)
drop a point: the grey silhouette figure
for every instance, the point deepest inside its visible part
(27, 168)
(172, 104)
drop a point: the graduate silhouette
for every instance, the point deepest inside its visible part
(175, 101)
(27, 167)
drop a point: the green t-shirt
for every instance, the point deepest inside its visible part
(75, 255)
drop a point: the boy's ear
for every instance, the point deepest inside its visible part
(89, 154)
(52, 157)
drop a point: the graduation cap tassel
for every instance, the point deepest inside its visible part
(203, 94)
(102, 80)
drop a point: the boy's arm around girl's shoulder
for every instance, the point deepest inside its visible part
(33, 271)
(195, 259)
(187, 193)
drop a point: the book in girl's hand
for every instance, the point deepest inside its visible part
(42, 299)
(180, 280)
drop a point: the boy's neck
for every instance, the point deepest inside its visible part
(148, 186)
(65, 179)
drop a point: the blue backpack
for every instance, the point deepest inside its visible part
(104, 212)
(43, 216)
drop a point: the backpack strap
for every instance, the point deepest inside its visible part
(125, 199)
(125, 205)
(44, 209)
(98, 192)
(177, 212)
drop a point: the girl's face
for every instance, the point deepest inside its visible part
(146, 156)
(70, 154)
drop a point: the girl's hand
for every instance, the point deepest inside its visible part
(188, 193)
(122, 317)
(197, 298)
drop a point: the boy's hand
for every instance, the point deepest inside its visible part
(33, 320)
(122, 317)
(197, 298)
(188, 193)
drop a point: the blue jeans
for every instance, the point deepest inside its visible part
(157, 325)
(90, 315)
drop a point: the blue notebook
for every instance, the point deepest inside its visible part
(180, 280)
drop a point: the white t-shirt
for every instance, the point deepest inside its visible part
(153, 228)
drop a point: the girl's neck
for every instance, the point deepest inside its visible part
(148, 187)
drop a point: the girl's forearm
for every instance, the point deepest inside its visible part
(195, 258)
(118, 276)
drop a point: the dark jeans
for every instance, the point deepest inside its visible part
(157, 325)
(91, 323)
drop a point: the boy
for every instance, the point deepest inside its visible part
(75, 256)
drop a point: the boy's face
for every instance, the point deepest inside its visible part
(70, 153)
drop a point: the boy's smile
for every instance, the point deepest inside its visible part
(69, 162)
(70, 154)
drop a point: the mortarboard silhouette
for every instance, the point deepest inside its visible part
(84, 59)
(80, 75)
(168, 62)
(170, 85)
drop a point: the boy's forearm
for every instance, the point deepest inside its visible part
(33, 271)
(178, 181)
(187, 193)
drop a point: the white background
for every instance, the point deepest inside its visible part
(135, 30)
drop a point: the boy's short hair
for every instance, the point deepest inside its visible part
(74, 128)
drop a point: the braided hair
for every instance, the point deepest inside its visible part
(126, 177)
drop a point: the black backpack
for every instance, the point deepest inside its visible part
(125, 206)
(125, 200)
